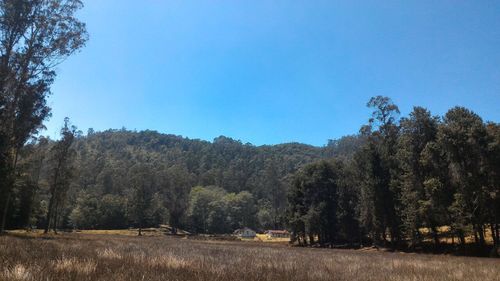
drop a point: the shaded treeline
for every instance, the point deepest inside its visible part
(409, 178)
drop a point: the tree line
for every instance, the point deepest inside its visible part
(397, 182)
(121, 178)
(409, 178)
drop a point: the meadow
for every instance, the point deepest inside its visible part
(78, 256)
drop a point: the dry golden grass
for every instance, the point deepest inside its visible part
(264, 238)
(124, 232)
(119, 257)
(445, 235)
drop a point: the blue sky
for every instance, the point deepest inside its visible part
(269, 72)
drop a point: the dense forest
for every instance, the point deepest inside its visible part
(396, 181)
(173, 179)
(384, 185)
(408, 178)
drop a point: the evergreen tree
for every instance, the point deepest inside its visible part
(313, 201)
(419, 129)
(463, 138)
(379, 172)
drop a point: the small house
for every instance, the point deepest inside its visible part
(245, 233)
(277, 234)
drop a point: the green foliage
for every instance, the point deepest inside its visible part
(409, 174)
(106, 212)
(61, 173)
(416, 133)
(213, 210)
(314, 202)
(36, 36)
(463, 138)
(378, 170)
(384, 185)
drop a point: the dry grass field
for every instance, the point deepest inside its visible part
(121, 257)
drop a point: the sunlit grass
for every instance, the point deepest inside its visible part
(264, 238)
(445, 235)
(124, 232)
(80, 256)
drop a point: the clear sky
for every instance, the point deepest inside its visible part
(269, 72)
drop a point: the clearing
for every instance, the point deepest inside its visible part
(79, 256)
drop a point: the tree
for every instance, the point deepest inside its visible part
(378, 170)
(87, 212)
(30, 169)
(416, 132)
(176, 187)
(276, 192)
(35, 36)
(438, 189)
(241, 210)
(265, 214)
(374, 191)
(217, 220)
(61, 172)
(384, 114)
(200, 199)
(493, 185)
(313, 203)
(213, 210)
(143, 183)
(348, 202)
(463, 137)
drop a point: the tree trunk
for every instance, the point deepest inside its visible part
(56, 218)
(384, 236)
(35, 190)
(49, 214)
(4, 213)
(53, 199)
(9, 191)
(435, 235)
(493, 234)
(311, 239)
(482, 241)
(54, 224)
(479, 235)
(461, 237)
(30, 209)
(299, 240)
(476, 237)
(497, 231)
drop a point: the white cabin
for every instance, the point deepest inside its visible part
(245, 233)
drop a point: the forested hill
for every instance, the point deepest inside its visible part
(104, 158)
(110, 167)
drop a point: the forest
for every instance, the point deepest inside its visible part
(394, 183)
(384, 185)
